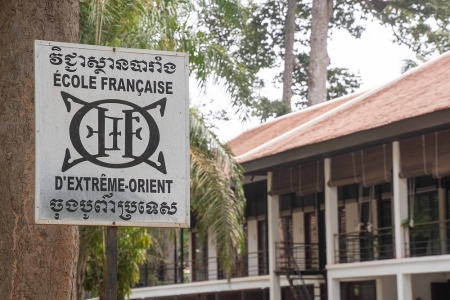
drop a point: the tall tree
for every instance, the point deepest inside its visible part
(37, 261)
(422, 25)
(322, 11)
(289, 57)
(265, 43)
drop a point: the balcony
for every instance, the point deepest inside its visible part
(300, 256)
(164, 273)
(363, 245)
(430, 238)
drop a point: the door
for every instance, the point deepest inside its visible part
(440, 290)
(365, 237)
(385, 240)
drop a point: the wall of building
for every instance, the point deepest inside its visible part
(422, 284)
(298, 224)
(351, 216)
(386, 288)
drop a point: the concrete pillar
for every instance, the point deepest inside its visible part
(400, 193)
(404, 287)
(334, 289)
(273, 214)
(386, 288)
(331, 215)
(332, 226)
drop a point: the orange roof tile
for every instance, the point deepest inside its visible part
(266, 132)
(423, 90)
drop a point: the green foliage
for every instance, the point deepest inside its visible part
(261, 46)
(342, 82)
(422, 25)
(133, 245)
(132, 23)
(349, 15)
(409, 64)
(158, 254)
(174, 25)
(418, 229)
(265, 109)
(217, 195)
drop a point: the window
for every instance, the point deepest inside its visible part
(359, 290)
(262, 249)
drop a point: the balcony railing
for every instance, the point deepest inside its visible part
(306, 256)
(431, 238)
(365, 246)
(163, 273)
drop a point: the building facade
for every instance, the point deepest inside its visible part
(349, 199)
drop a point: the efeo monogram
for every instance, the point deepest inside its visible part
(108, 120)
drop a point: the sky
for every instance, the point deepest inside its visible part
(377, 59)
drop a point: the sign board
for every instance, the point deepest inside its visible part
(112, 136)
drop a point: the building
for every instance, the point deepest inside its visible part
(349, 199)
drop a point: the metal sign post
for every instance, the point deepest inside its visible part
(112, 138)
(111, 262)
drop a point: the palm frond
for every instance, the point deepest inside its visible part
(217, 195)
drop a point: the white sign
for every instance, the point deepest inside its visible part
(112, 136)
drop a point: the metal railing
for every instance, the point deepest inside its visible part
(298, 261)
(365, 246)
(163, 273)
(430, 238)
(305, 256)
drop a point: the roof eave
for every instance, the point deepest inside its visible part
(394, 131)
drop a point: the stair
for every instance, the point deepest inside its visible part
(296, 279)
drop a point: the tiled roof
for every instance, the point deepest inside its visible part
(422, 90)
(270, 130)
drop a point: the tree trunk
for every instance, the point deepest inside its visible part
(37, 262)
(322, 11)
(289, 52)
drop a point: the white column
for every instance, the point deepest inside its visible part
(333, 289)
(273, 214)
(404, 287)
(387, 288)
(332, 228)
(331, 215)
(379, 288)
(400, 194)
(317, 292)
